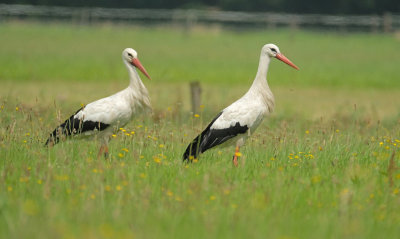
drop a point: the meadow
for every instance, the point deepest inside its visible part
(325, 164)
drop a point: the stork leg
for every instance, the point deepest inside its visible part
(106, 151)
(103, 151)
(235, 156)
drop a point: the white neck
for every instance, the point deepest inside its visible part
(139, 92)
(260, 88)
(134, 80)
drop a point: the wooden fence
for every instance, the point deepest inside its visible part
(188, 18)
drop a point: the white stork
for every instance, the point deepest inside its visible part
(238, 121)
(103, 117)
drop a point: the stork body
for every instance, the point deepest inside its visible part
(234, 124)
(101, 118)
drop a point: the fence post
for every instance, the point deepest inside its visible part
(190, 20)
(387, 22)
(374, 24)
(293, 23)
(195, 91)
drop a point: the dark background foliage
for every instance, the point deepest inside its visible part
(289, 6)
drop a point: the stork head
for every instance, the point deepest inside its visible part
(130, 56)
(272, 50)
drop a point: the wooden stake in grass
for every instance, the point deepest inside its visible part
(195, 90)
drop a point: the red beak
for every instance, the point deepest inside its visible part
(139, 65)
(283, 58)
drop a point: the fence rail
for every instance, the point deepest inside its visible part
(387, 22)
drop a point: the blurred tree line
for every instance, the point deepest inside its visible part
(288, 6)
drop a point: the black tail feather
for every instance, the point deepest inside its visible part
(74, 126)
(69, 127)
(195, 147)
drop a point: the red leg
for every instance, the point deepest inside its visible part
(235, 157)
(101, 150)
(106, 151)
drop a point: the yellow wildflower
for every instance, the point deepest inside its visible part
(157, 159)
(371, 195)
(179, 199)
(316, 179)
(23, 179)
(238, 154)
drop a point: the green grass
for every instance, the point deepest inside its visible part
(57, 52)
(321, 166)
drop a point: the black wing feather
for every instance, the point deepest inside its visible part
(212, 137)
(73, 126)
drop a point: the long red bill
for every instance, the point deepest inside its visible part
(283, 58)
(139, 65)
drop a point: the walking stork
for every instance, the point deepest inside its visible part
(101, 118)
(238, 121)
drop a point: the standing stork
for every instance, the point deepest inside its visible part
(238, 121)
(103, 117)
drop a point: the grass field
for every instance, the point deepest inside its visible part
(325, 164)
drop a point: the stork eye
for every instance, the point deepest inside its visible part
(129, 54)
(273, 50)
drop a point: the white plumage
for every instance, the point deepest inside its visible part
(239, 120)
(104, 116)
